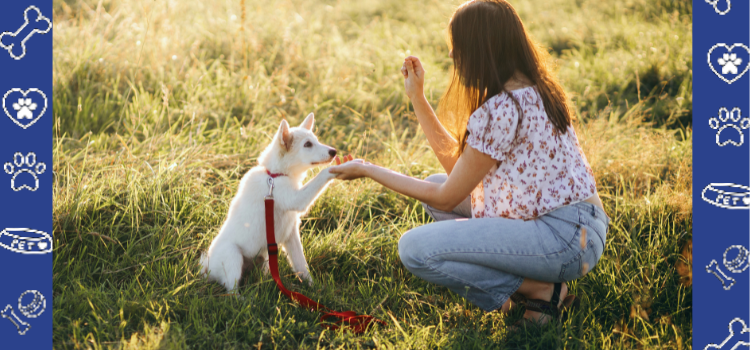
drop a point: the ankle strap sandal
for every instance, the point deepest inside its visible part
(546, 307)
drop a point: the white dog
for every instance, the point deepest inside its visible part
(242, 238)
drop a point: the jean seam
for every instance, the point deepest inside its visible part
(568, 244)
(580, 222)
(597, 231)
(578, 258)
(574, 223)
(515, 288)
(491, 294)
(491, 253)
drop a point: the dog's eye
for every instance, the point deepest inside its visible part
(308, 144)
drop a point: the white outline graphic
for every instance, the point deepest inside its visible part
(716, 272)
(39, 18)
(729, 49)
(34, 171)
(713, 123)
(715, 3)
(24, 95)
(731, 334)
(724, 198)
(33, 309)
(23, 245)
(13, 318)
(36, 307)
(740, 263)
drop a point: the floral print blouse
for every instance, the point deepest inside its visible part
(536, 172)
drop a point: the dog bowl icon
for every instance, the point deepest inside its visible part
(26, 241)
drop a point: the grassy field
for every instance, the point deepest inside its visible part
(161, 106)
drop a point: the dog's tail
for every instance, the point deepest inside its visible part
(204, 263)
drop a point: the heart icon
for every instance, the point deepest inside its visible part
(729, 66)
(25, 108)
(42, 245)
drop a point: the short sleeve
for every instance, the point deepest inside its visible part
(492, 127)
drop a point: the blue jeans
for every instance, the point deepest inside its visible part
(485, 260)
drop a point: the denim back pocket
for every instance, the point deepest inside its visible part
(564, 224)
(581, 263)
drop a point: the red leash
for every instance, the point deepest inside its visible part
(357, 323)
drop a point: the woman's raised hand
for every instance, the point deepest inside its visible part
(413, 73)
(350, 170)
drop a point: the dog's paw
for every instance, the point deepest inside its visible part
(327, 174)
(306, 278)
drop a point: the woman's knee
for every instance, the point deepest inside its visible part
(410, 249)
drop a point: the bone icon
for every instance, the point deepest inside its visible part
(32, 309)
(726, 281)
(34, 23)
(22, 326)
(737, 325)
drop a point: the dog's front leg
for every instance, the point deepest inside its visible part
(305, 196)
(265, 268)
(296, 256)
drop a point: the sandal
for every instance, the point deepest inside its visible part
(569, 302)
(545, 307)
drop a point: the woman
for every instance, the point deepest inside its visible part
(515, 168)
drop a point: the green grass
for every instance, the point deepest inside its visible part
(161, 106)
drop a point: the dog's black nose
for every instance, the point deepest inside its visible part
(332, 152)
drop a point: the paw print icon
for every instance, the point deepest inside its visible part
(25, 108)
(25, 171)
(729, 120)
(729, 63)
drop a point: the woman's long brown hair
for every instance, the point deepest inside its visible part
(490, 44)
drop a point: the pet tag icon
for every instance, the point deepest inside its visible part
(34, 23)
(24, 108)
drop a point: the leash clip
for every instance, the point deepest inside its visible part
(270, 188)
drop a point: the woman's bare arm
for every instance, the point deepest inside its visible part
(442, 143)
(469, 170)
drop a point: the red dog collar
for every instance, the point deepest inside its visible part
(274, 175)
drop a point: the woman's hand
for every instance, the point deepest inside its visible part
(350, 170)
(413, 73)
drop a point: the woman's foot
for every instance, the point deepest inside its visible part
(543, 291)
(509, 305)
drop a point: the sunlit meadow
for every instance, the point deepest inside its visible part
(161, 106)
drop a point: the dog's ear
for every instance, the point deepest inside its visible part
(285, 137)
(309, 122)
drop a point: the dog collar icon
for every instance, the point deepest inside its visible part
(727, 196)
